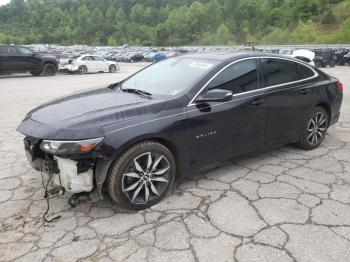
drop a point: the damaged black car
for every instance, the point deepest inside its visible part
(177, 116)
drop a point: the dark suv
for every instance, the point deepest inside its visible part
(18, 59)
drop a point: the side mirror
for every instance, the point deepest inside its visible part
(215, 95)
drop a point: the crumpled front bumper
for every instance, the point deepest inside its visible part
(75, 176)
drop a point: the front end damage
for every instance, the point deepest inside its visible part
(77, 167)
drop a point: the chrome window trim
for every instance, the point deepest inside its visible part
(192, 102)
(193, 110)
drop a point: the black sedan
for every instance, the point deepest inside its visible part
(177, 116)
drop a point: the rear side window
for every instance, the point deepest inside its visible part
(87, 58)
(281, 71)
(8, 50)
(305, 72)
(3, 50)
(97, 58)
(238, 78)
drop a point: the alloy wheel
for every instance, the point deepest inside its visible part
(146, 177)
(316, 128)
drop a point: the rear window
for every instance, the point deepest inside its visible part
(281, 71)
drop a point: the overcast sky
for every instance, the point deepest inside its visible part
(4, 2)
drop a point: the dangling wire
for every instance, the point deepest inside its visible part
(47, 196)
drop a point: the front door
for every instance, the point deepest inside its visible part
(29, 60)
(222, 130)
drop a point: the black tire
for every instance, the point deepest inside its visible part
(332, 64)
(82, 70)
(313, 134)
(119, 179)
(35, 73)
(112, 69)
(49, 69)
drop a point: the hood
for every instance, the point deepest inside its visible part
(83, 114)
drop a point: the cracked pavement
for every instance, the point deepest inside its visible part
(282, 205)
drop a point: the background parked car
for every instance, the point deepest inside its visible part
(347, 59)
(90, 64)
(304, 55)
(135, 57)
(324, 57)
(18, 59)
(155, 57)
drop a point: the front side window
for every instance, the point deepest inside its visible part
(25, 51)
(171, 76)
(239, 78)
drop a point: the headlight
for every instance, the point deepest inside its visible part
(69, 147)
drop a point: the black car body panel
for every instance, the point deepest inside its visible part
(12, 59)
(198, 134)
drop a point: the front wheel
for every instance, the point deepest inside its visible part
(315, 129)
(49, 70)
(142, 175)
(112, 69)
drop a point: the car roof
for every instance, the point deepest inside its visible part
(230, 55)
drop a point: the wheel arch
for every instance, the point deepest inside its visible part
(161, 140)
(326, 107)
(103, 167)
(51, 63)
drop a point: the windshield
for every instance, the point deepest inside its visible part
(169, 77)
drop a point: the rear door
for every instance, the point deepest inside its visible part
(222, 130)
(11, 60)
(289, 98)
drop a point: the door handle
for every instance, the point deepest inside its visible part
(257, 101)
(304, 91)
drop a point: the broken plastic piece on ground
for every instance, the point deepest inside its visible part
(78, 198)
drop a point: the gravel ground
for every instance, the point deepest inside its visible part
(283, 205)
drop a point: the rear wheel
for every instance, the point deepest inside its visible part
(112, 69)
(49, 70)
(315, 129)
(142, 175)
(82, 70)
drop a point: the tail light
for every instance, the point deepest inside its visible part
(340, 86)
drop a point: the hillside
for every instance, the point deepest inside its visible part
(180, 22)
